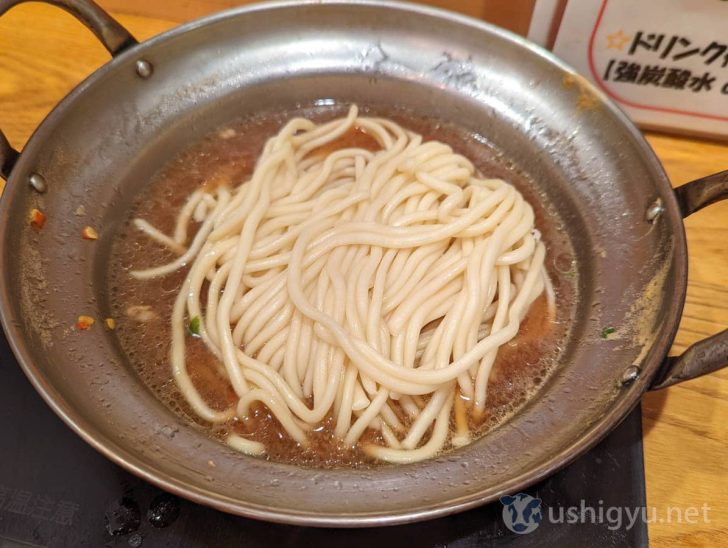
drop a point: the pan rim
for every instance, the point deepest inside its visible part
(145, 468)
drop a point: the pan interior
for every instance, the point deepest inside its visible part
(518, 373)
(594, 175)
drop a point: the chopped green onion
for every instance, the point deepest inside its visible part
(607, 331)
(194, 325)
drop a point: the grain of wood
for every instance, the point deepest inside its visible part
(44, 53)
(686, 426)
(514, 14)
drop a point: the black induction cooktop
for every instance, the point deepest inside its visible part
(57, 491)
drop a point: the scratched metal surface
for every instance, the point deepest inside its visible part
(55, 491)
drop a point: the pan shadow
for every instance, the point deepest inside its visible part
(653, 404)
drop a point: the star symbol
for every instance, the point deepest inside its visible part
(617, 40)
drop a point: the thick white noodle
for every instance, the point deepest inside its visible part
(354, 283)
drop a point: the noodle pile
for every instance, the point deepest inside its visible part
(374, 287)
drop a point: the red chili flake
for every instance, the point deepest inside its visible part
(37, 218)
(89, 233)
(84, 322)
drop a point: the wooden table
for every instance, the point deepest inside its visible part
(44, 53)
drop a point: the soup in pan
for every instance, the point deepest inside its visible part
(327, 287)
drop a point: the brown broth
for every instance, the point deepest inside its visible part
(227, 156)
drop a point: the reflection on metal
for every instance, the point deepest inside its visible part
(655, 210)
(38, 183)
(144, 68)
(631, 374)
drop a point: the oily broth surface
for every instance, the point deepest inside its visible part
(227, 156)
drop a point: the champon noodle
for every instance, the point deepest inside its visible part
(370, 289)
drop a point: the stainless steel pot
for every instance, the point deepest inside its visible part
(101, 143)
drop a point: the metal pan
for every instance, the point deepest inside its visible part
(101, 143)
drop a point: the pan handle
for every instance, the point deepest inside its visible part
(695, 195)
(710, 354)
(701, 358)
(112, 35)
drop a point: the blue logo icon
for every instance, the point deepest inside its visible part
(521, 513)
